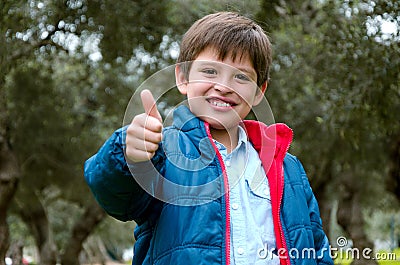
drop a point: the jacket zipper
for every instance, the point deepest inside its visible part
(282, 173)
(276, 212)
(227, 202)
(283, 240)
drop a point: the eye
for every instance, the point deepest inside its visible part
(242, 77)
(209, 71)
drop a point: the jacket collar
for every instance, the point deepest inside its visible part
(274, 139)
(185, 120)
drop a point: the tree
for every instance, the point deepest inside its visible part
(49, 138)
(67, 77)
(336, 81)
(9, 165)
(68, 69)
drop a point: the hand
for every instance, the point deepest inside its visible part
(144, 133)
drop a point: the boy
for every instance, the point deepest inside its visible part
(220, 216)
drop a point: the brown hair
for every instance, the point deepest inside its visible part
(228, 33)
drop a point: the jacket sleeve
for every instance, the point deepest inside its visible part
(321, 242)
(112, 183)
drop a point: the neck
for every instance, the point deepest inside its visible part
(229, 138)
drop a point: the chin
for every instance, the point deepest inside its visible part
(218, 122)
(227, 126)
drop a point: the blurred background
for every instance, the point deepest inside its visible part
(69, 68)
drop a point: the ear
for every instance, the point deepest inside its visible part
(180, 80)
(260, 94)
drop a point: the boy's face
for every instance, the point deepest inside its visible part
(221, 93)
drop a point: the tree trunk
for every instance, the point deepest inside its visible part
(352, 221)
(83, 227)
(4, 238)
(320, 184)
(17, 253)
(325, 206)
(324, 199)
(393, 182)
(34, 216)
(9, 176)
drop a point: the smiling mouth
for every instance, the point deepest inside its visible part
(220, 103)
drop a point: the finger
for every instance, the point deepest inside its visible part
(152, 124)
(139, 155)
(136, 149)
(152, 137)
(143, 121)
(149, 104)
(140, 144)
(145, 135)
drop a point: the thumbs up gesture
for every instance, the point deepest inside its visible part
(144, 133)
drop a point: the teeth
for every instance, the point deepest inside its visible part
(220, 104)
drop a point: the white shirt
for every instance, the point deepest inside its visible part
(252, 229)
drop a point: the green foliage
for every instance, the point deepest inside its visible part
(382, 224)
(62, 103)
(117, 237)
(69, 68)
(336, 82)
(128, 25)
(19, 231)
(62, 215)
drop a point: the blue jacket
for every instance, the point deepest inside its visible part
(193, 227)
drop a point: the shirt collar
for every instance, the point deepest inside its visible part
(242, 141)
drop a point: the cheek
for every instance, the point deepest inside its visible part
(252, 96)
(247, 98)
(197, 89)
(192, 93)
(195, 98)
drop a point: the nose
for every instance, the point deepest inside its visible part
(222, 88)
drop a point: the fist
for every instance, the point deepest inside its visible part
(144, 133)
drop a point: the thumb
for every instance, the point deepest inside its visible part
(149, 104)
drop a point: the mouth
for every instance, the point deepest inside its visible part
(221, 102)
